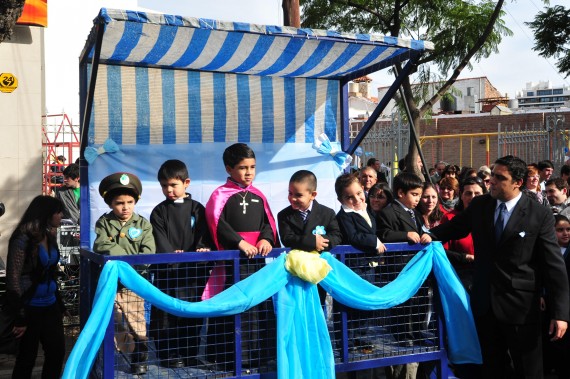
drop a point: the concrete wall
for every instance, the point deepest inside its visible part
(20, 126)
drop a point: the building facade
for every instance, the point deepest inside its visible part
(467, 96)
(543, 95)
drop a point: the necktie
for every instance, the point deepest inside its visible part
(499, 223)
(305, 215)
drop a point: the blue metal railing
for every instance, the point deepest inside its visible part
(430, 347)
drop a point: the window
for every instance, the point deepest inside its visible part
(557, 91)
(543, 92)
(530, 93)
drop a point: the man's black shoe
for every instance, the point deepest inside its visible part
(139, 359)
(175, 361)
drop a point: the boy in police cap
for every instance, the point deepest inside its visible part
(123, 232)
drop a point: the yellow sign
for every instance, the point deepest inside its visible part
(8, 82)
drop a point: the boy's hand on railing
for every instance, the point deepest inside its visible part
(322, 243)
(425, 239)
(249, 250)
(413, 237)
(264, 247)
(381, 248)
(202, 250)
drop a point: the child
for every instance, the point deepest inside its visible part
(401, 222)
(69, 193)
(178, 225)
(123, 232)
(238, 217)
(358, 226)
(357, 223)
(557, 353)
(306, 224)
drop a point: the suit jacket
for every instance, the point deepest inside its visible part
(296, 234)
(510, 273)
(356, 231)
(394, 223)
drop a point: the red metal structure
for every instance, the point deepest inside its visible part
(60, 138)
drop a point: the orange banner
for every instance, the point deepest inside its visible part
(35, 13)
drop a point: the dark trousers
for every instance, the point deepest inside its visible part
(45, 326)
(502, 342)
(175, 335)
(257, 329)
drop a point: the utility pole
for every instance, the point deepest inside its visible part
(291, 13)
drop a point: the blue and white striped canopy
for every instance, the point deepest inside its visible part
(158, 40)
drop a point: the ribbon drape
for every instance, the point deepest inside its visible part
(303, 343)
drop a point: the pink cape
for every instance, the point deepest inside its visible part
(214, 208)
(218, 201)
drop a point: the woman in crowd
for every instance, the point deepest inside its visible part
(379, 196)
(31, 288)
(531, 185)
(450, 171)
(466, 172)
(429, 206)
(448, 193)
(461, 252)
(486, 178)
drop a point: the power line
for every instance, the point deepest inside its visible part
(531, 40)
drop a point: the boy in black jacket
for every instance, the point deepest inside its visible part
(305, 224)
(401, 222)
(179, 225)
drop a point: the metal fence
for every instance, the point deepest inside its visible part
(537, 141)
(532, 142)
(245, 345)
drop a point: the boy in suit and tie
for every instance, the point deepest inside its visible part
(401, 222)
(305, 224)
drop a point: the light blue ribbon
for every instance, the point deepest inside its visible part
(303, 343)
(92, 153)
(324, 146)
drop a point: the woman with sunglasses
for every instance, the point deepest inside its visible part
(486, 178)
(448, 193)
(531, 185)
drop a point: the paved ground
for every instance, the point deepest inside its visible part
(7, 361)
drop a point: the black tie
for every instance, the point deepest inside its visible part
(499, 223)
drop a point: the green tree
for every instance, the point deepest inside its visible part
(552, 36)
(460, 30)
(10, 11)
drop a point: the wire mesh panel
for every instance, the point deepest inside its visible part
(169, 346)
(406, 329)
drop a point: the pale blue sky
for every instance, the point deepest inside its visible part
(70, 22)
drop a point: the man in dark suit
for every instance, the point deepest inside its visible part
(516, 256)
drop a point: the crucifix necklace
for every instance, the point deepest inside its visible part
(244, 203)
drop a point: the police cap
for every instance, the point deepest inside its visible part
(123, 181)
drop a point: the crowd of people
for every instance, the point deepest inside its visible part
(497, 225)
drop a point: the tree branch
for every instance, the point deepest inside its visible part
(465, 61)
